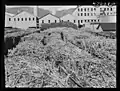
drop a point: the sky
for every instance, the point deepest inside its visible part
(51, 8)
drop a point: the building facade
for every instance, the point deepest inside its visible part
(81, 15)
(24, 20)
(49, 18)
(8, 20)
(85, 14)
(69, 18)
(91, 14)
(108, 10)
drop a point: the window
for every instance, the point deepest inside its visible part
(48, 21)
(85, 20)
(21, 19)
(9, 19)
(55, 21)
(42, 21)
(94, 20)
(74, 21)
(91, 20)
(81, 14)
(108, 9)
(105, 9)
(78, 9)
(78, 14)
(68, 20)
(25, 19)
(111, 9)
(18, 19)
(88, 9)
(94, 8)
(33, 19)
(81, 9)
(81, 21)
(62, 20)
(84, 9)
(14, 19)
(88, 21)
(91, 14)
(29, 19)
(78, 21)
(84, 14)
(88, 14)
(91, 9)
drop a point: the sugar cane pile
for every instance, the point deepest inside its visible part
(61, 59)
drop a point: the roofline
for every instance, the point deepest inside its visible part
(80, 6)
(23, 11)
(66, 14)
(71, 13)
(106, 23)
(9, 13)
(48, 14)
(76, 8)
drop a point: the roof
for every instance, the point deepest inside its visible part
(62, 13)
(67, 15)
(48, 14)
(108, 26)
(23, 11)
(82, 6)
(9, 14)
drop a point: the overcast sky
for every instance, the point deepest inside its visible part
(51, 8)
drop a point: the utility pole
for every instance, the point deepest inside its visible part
(36, 15)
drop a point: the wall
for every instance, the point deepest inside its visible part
(24, 24)
(49, 17)
(95, 13)
(7, 22)
(90, 12)
(68, 17)
(108, 19)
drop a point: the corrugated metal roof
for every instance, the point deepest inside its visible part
(108, 26)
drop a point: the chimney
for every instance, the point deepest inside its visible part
(35, 10)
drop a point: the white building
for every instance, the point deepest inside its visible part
(86, 14)
(108, 10)
(24, 20)
(49, 18)
(8, 19)
(91, 14)
(69, 18)
(108, 19)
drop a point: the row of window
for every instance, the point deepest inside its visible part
(106, 9)
(86, 9)
(62, 20)
(92, 14)
(48, 21)
(84, 21)
(26, 19)
(107, 13)
(86, 14)
(91, 9)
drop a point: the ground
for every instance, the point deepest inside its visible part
(62, 58)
